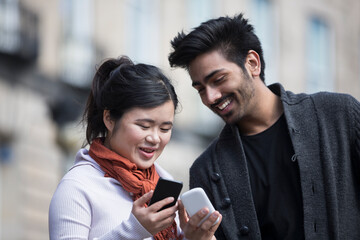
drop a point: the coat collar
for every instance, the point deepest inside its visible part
(287, 96)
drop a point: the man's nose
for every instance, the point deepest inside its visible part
(212, 95)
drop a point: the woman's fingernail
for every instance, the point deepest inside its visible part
(204, 211)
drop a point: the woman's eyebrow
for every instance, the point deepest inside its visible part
(145, 120)
(153, 121)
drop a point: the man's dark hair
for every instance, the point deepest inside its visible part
(233, 37)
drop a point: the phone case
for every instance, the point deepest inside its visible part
(196, 199)
(166, 188)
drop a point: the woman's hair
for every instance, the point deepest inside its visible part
(120, 85)
(233, 37)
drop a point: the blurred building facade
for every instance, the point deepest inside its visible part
(48, 54)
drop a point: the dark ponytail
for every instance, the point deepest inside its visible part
(120, 85)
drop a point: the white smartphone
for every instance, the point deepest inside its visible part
(196, 199)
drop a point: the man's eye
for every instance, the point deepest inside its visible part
(219, 79)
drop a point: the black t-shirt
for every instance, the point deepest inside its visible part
(275, 182)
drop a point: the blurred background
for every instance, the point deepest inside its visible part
(49, 50)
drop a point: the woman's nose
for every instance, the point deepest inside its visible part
(153, 137)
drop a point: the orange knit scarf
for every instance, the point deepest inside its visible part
(132, 179)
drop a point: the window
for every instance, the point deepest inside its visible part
(77, 51)
(18, 30)
(9, 26)
(142, 21)
(6, 152)
(263, 20)
(319, 57)
(200, 11)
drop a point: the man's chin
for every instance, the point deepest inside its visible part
(229, 118)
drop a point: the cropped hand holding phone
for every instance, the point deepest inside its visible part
(196, 199)
(160, 212)
(150, 217)
(198, 218)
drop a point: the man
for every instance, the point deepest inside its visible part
(285, 166)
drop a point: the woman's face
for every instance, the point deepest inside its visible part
(141, 134)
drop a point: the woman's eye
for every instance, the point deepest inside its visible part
(165, 129)
(143, 126)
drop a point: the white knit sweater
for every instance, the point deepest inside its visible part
(87, 205)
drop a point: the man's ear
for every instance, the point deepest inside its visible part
(253, 63)
(109, 123)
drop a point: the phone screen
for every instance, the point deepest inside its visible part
(166, 188)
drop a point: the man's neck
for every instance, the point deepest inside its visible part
(267, 110)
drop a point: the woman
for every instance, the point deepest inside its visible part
(129, 117)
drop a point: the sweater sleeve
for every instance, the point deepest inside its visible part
(70, 216)
(130, 229)
(69, 212)
(355, 111)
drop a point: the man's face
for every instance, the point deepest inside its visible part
(223, 86)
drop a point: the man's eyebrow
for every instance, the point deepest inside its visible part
(207, 77)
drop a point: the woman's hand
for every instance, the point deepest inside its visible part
(149, 217)
(190, 225)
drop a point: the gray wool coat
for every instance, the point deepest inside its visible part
(325, 133)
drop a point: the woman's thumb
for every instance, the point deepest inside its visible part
(144, 198)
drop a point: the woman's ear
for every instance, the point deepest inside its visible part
(253, 63)
(109, 123)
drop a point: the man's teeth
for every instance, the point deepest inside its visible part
(224, 105)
